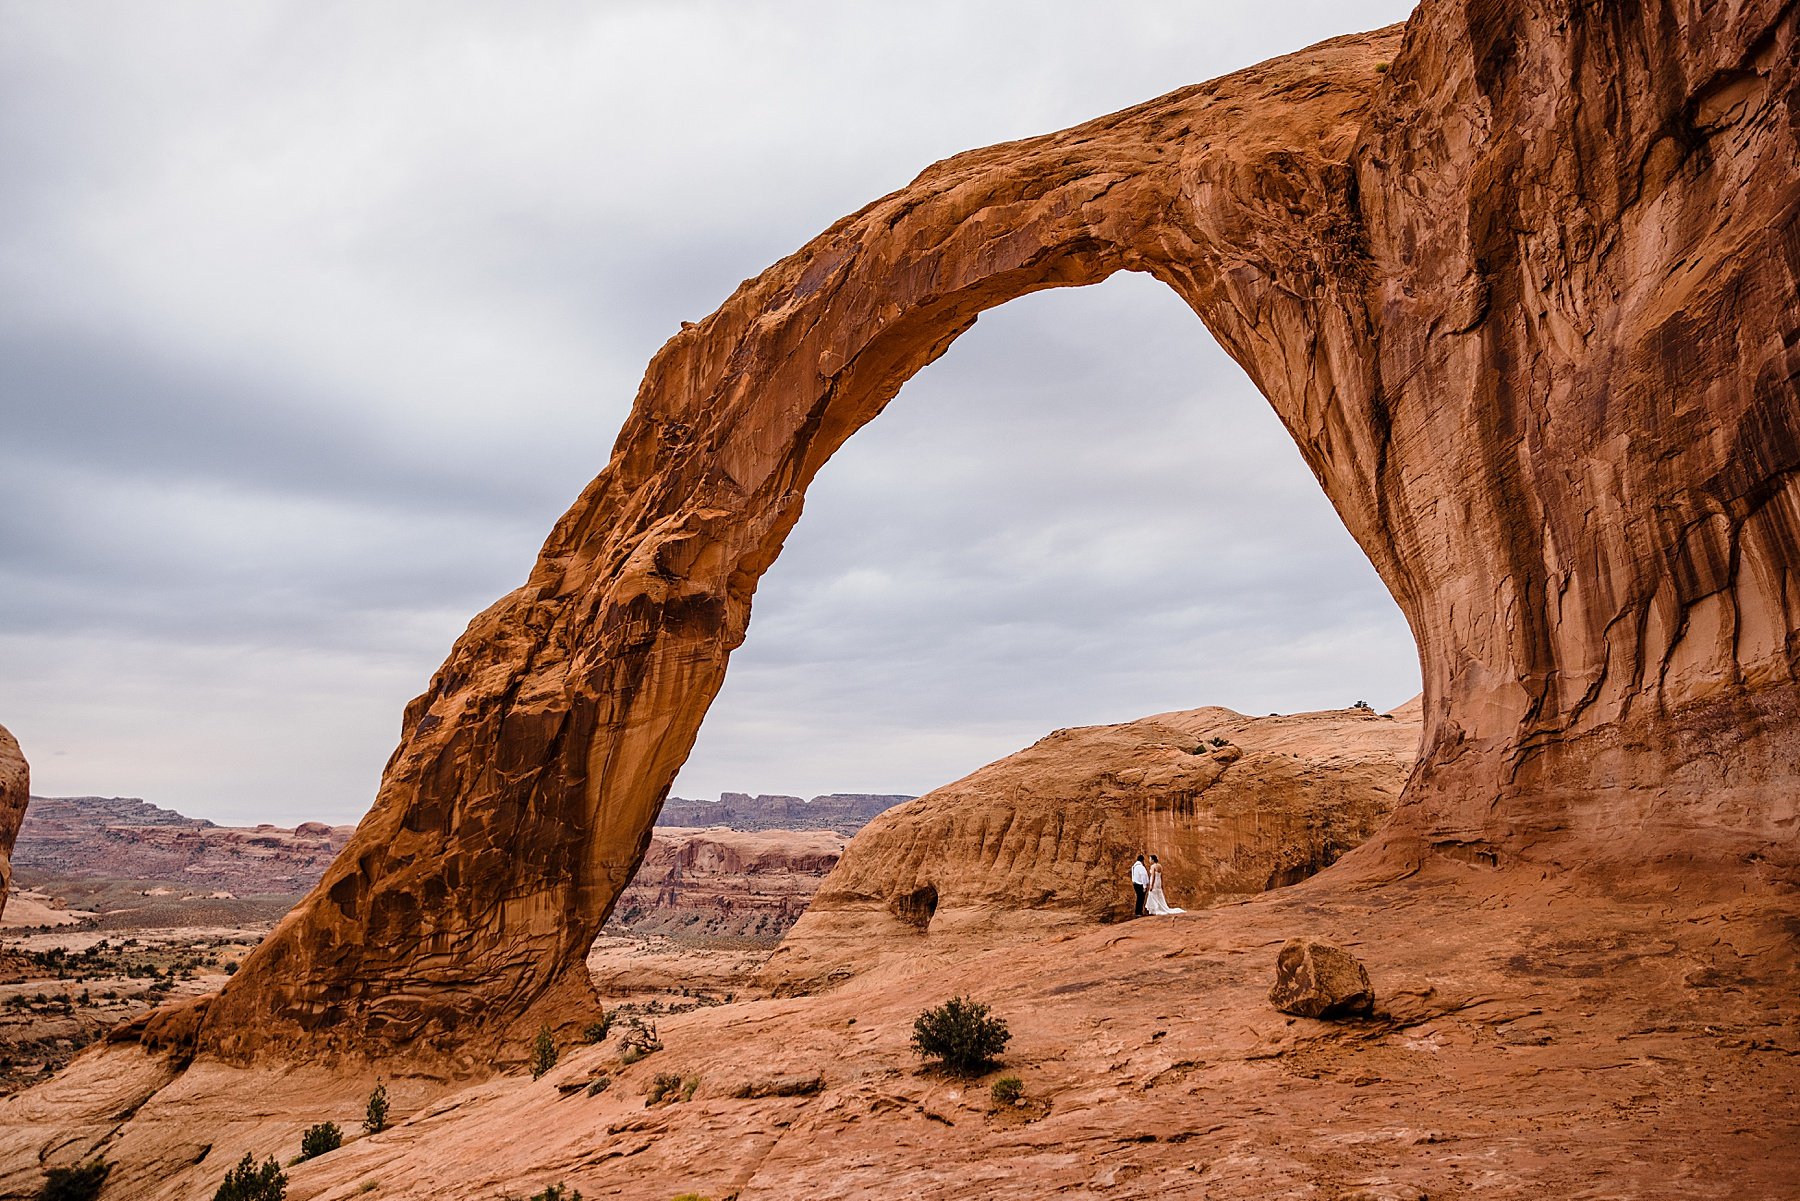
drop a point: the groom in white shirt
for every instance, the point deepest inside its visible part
(1140, 880)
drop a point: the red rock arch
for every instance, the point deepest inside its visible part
(1565, 438)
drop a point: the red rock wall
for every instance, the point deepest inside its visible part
(1521, 284)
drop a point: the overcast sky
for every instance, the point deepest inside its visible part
(315, 316)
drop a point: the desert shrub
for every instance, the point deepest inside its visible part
(596, 1032)
(1219, 742)
(661, 1087)
(319, 1139)
(556, 1192)
(598, 1085)
(247, 1182)
(1008, 1090)
(375, 1117)
(640, 1040)
(961, 1035)
(543, 1052)
(79, 1183)
(231, 969)
(692, 1197)
(690, 1088)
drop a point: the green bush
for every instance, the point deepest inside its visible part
(1008, 1090)
(247, 1182)
(556, 1192)
(79, 1183)
(375, 1117)
(319, 1139)
(543, 1052)
(595, 1032)
(961, 1035)
(598, 1085)
(663, 1086)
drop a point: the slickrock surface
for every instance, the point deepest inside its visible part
(1043, 840)
(845, 812)
(1520, 279)
(125, 838)
(725, 884)
(15, 793)
(1534, 1039)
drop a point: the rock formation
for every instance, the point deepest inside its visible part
(725, 884)
(1042, 841)
(845, 812)
(1520, 279)
(15, 794)
(126, 838)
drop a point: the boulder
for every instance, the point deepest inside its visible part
(1315, 979)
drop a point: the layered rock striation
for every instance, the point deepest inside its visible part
(15, 795)
(1043, 840)
(1521, 281)
(719, 885)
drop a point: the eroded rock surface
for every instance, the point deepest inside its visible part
(1043, 840)
(1520, 280)
(15, 794)
(726, 884)
(1315, 979)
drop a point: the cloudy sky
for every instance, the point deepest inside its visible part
(314, 316)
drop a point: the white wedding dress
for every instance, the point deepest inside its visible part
(1155, 904)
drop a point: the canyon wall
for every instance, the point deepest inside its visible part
(1520, 279)
(15, 794)
(1043, 840)
(725, 885)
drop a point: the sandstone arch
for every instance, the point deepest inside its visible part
(1525, 300)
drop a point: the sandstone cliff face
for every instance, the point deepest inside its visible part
(1520, 280)
(1043, 840)
(725, 884)
(15, 794)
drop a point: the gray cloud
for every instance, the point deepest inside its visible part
(314, 317)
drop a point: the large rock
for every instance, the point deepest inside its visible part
(1521, 281)
(1043, 840)
(1316, 979)
(15, 794)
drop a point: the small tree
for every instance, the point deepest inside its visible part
(319, 1139)
(247, 1182)
(961, 1034)
(79, 1183)
(543, 1052)
(375, 1117)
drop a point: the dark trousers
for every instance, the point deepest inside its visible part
(1139, 911)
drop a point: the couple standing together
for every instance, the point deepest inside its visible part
(1147, 883)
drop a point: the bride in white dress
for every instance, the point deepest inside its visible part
(1155, 904)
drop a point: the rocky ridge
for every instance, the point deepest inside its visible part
(123, 838)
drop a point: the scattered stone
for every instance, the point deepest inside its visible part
(1316, 979)
(781, 1086)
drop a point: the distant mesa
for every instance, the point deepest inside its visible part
(845, 812)
(125, 838)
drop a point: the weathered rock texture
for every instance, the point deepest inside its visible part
(15, 794)
(1520, 280)
(1316, 979)
(1042, 840)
